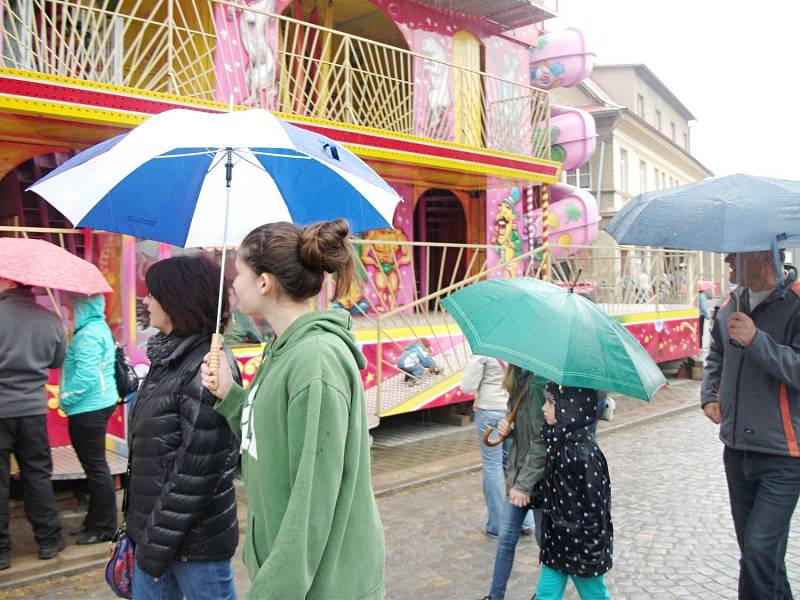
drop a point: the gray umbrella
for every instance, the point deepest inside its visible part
(736, 213)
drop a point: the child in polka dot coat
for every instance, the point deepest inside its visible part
(577, 534)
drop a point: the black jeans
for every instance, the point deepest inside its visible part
(763, 489)
(88, 434)
(27, 438)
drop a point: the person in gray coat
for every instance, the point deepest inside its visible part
(32, 340)
(751, 388)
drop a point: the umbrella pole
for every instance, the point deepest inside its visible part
(216, 339)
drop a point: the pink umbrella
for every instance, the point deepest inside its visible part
(42, 264)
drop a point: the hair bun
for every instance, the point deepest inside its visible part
(325, 247)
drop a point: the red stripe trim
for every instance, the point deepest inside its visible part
(786, 417)
(142, 105)
(95, 98)
(365, 139)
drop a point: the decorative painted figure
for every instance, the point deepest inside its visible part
(387, 260)
(260, 73)
(438, 84)
(506, 237)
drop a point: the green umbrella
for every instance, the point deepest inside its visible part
(554, 333)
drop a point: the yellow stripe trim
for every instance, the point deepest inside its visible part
(432, 160)
(654, 316)
(116, 89)
(427, 396)
(370, 336)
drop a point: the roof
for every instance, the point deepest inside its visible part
(645, 73)
(508, 14)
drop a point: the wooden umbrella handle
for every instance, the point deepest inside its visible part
(510, 417)
(213, 359)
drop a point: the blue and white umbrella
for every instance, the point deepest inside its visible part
(167, 180)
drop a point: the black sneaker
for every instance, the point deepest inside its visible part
(5, 561)
(48, 552)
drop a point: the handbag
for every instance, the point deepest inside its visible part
(126, 378)
(119, 570)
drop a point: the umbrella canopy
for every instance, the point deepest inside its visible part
(166, 180)
(554, 333)
(736, 213)
(40, 263)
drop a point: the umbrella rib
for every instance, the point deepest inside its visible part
(206, 152)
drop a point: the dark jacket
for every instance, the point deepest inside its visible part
(181, 498)
(577, 533)
(525, 464)
(758, 387)
(32, 340)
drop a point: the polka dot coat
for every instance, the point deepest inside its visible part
(577, 533)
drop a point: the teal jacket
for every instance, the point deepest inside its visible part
(88, 379)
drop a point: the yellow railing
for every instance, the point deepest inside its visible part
(220, 50)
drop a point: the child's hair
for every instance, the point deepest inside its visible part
(299, 257)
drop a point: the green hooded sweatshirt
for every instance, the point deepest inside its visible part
(313, 525)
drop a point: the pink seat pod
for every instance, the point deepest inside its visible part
(574, 220)
(573, 136)
(560, 59)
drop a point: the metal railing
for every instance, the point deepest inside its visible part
(220, 50)
(622, 280)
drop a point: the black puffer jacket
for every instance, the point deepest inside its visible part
(577, 533)
(181, 499)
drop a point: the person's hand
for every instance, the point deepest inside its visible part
(518, 499)
(220, 383)
(741, 329)
(712, 412)
(504, 428)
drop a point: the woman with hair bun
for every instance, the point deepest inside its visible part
(313, 525)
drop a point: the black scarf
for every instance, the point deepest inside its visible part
(161, 346)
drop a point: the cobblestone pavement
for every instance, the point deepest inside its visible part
(674, 537)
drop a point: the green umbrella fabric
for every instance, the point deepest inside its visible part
(554, 333)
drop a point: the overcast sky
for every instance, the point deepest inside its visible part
(734, 64)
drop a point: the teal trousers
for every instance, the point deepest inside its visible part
(553, 583)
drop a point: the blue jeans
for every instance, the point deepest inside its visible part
(494, 472)
(191, 580)
(552, 584)
(763, 490)
(507, 545)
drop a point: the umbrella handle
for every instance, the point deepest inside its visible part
(495, 442)
(213, 359)
(510, 417)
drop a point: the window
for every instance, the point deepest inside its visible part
(640, 105)
(642, 176)
(623, 170)
(672, 131)
(655, 178)
(663, 180)
(658, 119)
(581, 177)
(686, 141)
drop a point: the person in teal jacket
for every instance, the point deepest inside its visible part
(88, 397)
(314, 531)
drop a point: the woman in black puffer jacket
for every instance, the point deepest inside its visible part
(181, 509)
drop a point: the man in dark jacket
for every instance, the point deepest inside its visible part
(32, 340)
(751, 389)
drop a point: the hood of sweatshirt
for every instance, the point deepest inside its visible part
(337, 322)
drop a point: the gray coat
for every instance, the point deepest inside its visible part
(32, 340)
(758, 387)
(525, 465)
